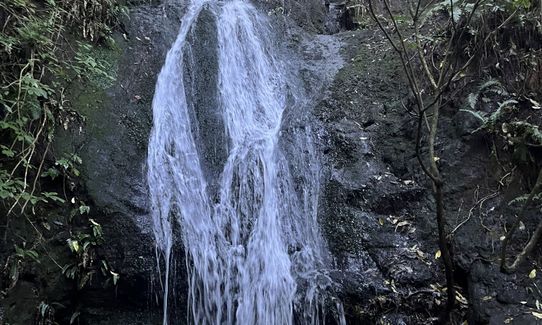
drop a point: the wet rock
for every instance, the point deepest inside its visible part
(498, 298)
(339, 17)
(373, 218)
(377, 204)
(375, 210)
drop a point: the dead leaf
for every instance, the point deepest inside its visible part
(536, 105)
(403, 223)
(420, 254)
(461, 299)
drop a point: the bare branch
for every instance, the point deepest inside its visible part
(505, 267)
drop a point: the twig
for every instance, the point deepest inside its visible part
(510, 268)
(479, 204)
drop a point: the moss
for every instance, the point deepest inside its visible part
(109, 57)
(343, 234)
(368, 60)
(372, 70)
(88, 100)
(357, 66)
(89, 97)
(341, 227)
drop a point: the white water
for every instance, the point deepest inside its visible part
(254, 252)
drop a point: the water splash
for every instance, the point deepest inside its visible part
(254, 253)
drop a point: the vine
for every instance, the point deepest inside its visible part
(45, 46)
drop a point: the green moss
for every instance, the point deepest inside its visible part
(369, 59)
(357, 67)
(88, 99)
(89, 96)
(109, 58)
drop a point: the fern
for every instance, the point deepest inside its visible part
(499, 112)
(473, 99)
(490, 83)
(528, 132)
(523, 198)
(476, 114)
(489, 122)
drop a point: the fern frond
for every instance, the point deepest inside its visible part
(531, 133)
(473, 100)
(523, 198)
(477, 114)
(490, 83)
(493, 118)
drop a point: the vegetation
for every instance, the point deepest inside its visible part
(44, 50)
(447, 46)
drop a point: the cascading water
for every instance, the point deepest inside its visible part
(253, 250)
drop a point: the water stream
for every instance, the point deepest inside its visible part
(253, 250)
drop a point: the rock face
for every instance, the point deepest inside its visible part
(207, 125)
(370, 215)
(113, 146)
(377, 211)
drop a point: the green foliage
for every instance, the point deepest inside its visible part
(525, 133)
(16, 261)
(87, 65)
(489, 120)
(455, 8)
(44, 48)
(32, 102)
(46, 313)
(74, 317)
(462, 8)
(516, 132)
(95, 18)
(520, 200)
(84, 246)
(69, 164)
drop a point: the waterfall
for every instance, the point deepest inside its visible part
(253, 250)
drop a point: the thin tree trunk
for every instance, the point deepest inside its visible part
(505, 267)
(444, 246)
